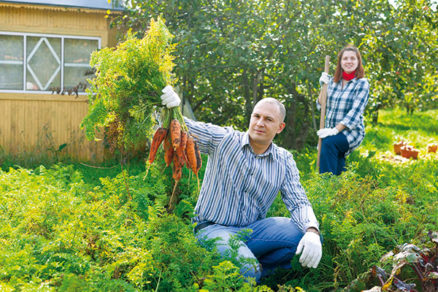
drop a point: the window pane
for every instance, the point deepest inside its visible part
(11, 77)
(43, 63)
(76, 62)
(11, 62)
(11, 48)
(79, 51)
(76, 77)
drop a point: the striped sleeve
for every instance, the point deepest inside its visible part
(207, 136)
(294, 197)
(353, 116)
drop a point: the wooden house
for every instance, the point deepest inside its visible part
(45, 49)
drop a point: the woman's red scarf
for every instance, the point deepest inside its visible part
(348, 76)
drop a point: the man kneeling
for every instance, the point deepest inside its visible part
(244, 173)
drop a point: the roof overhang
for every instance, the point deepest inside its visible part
(96, 5)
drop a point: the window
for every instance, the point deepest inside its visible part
(45, 63)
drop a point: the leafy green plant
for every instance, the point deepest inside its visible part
(417, 265)
(226, 276)
(127, 86)
(64, 226)
(58, 230)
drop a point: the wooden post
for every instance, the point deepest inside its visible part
(323, 101)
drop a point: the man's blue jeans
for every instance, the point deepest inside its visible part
(271, 244)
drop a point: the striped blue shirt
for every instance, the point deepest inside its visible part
(239, 186)
(346, 106)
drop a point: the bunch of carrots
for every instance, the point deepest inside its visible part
(180, 148)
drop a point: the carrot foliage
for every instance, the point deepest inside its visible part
(126, 89)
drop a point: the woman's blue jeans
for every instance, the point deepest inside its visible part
(333, 149)
(271, 244)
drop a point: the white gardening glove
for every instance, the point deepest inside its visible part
(311, 247)
(170, 98)
(324, 79)
(327, 132)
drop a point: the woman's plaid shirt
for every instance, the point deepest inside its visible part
(346, 106)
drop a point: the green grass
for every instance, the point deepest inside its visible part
(418, 129)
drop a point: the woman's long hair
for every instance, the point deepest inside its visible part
(359, 70)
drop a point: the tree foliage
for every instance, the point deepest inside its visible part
(230, 54)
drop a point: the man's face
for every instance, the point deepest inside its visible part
(265, 123)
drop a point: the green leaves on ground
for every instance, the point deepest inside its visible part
(68, 226)
(58, 231)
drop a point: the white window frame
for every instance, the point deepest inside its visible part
(26, 67)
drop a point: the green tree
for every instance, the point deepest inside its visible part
(398, 42)
(403, 56)
(230, 54)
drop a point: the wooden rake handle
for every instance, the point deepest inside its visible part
(323, 102)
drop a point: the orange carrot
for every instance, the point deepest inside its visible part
(177, 169)
(175, 133)
(159, 136)
(168, 151)
(184, 137)
(182, 145)
(198, 159)
(191, 153)
(178, 164)
(178, 161)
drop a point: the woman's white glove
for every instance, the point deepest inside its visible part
(311, 247)
(324, 79)
(170, 98)
(327, 132)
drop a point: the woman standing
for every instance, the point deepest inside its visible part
(347, 96)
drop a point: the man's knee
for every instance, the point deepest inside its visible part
(252, 271)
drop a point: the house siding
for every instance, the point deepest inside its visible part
(37, 122)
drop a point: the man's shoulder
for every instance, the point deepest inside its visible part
(231, 136)
(282, 153)
(233, 133)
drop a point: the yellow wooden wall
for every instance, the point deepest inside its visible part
(34, 123)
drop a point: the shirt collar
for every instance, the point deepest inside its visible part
(270, 152)
(354, 80)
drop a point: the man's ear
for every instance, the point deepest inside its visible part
(281, 127)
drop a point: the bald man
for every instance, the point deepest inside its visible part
(244, 174)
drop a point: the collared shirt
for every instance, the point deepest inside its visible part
(239, 186)
(347, 105)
